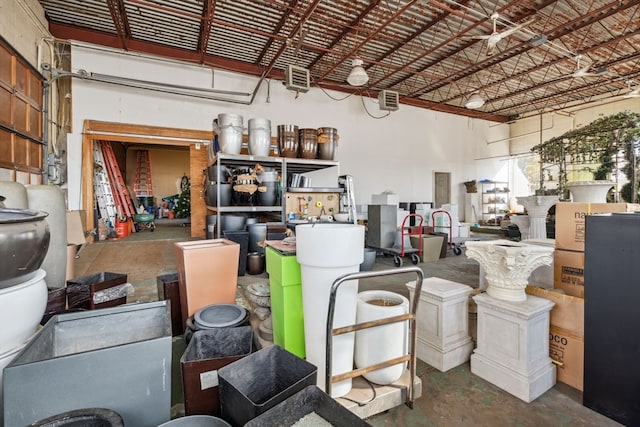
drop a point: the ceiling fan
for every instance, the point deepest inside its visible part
(583, 71)
(493, 38)
(633, 93)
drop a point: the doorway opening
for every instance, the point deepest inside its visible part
(442, 188)
(191, 141)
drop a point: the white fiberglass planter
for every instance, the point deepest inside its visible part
(326, 252)
(381, 343)
(508, 265)
(21, 309)
(589, 191)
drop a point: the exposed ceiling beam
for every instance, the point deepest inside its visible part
(120, 21)
(208, 9)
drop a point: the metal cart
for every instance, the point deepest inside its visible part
(409, 357)
(454, 246)
(403, 250)
(144, 221)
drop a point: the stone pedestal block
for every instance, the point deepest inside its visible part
(443, 323)
(513, 345)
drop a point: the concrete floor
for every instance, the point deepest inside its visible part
(454, 398)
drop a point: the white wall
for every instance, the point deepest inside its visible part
(23, 25)
(398, 153)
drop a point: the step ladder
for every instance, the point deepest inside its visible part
(142, 185)
(123, 203)
(102, 188)
(346, 181)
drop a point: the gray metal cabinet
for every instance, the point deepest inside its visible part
(612, 316)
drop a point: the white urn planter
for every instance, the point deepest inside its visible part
(508, 265)
(589, 191)
(537, 208)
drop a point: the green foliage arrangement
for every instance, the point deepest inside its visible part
(601, 142)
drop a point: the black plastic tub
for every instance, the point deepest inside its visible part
(256, 383)
(308, 401)
(241, 238)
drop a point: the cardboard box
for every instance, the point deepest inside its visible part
(72, 250)
(566, 335)
(570, 225)
(76, 228)
(568, 268)
(431, 247)
(385, 199)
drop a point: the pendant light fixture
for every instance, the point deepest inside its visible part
(358, 76)
(475, 101)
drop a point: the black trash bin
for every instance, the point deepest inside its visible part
(241, 238)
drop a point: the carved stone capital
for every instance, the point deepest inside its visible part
(508, 265)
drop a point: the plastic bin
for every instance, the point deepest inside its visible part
(252, 385)
(207, 351)
(169, 289)
(117, 357)
(287, 314)
(81, 290)
(241, 238)
(310, 400)
(207, 274)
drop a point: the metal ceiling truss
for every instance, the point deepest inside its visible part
(428, 51)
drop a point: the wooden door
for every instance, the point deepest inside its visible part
(21, 145)
(442, 188)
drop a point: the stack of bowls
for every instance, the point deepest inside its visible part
(327, 141)
(308, 143)
(24, 242)
(267, 181)
(259, 137)
(211, 190)
(229, 129)
(288, 140)
(220, 316)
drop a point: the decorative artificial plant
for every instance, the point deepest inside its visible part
(609, 144)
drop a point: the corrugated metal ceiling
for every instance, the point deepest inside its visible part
(422, 49)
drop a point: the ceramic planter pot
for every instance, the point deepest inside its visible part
(24, 241)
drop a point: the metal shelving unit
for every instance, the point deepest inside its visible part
(283, 165)
(494, 201)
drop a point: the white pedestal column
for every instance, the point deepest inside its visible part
(513, 345)
(443, 323)
(537, 208)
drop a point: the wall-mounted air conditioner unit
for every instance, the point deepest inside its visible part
(296, 78)
(388, 100)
